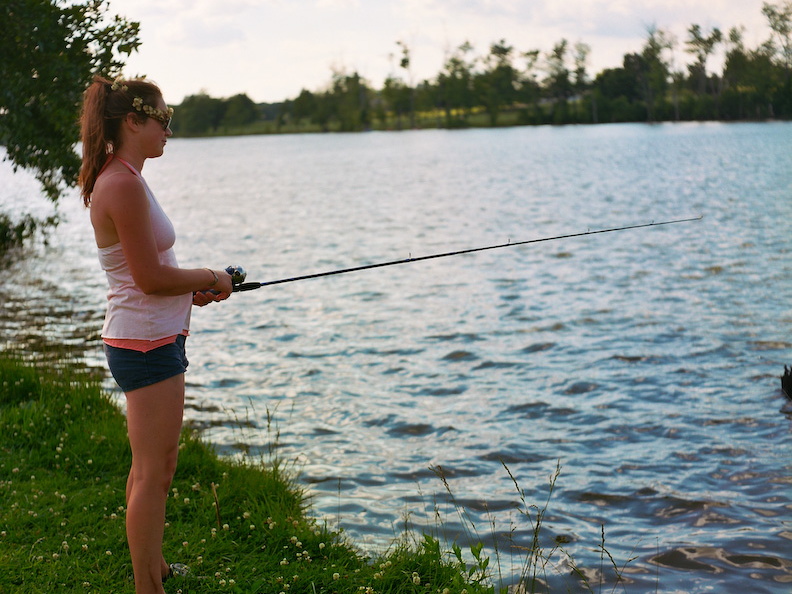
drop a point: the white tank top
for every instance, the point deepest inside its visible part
(131, 314)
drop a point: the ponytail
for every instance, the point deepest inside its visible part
(105, 104)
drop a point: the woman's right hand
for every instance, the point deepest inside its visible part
(222, 289)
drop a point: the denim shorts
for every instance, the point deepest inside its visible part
(133, 370)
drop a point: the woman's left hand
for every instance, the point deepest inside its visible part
(201, 298)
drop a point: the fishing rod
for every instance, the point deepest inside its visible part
(238, 274)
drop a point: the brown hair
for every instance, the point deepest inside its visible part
(105, 103)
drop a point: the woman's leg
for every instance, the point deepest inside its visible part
(154, 421)
(165, 568)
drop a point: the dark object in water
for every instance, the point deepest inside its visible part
(786, 381)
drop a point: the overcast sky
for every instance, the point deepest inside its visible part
(271, 49)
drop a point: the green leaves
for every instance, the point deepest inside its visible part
(50, 56)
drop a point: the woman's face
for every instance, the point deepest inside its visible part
(156, 131)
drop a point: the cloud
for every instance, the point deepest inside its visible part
(200, 33)
(338, 4)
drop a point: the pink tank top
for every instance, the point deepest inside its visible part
(136, 320)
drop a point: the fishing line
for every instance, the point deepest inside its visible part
(238, 274)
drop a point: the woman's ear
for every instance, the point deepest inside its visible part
(133, 121)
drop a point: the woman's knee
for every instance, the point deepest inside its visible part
(158, 471)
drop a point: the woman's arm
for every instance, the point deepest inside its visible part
(123, 204)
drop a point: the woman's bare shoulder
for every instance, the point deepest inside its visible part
(118, 186)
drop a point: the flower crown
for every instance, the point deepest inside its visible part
(162, 115)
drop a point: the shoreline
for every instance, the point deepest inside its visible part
(241, 525)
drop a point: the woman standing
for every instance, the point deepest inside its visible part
(124, 123)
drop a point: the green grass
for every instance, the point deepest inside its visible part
(242, 526)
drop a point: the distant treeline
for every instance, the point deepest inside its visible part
(508, 87)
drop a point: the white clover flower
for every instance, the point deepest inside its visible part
(336, 576)
(226, 526)
(186, 501)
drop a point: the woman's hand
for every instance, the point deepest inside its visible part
(201, 298)
(218, 292)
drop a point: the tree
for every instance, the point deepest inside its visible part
(736, 72)
(701, 46)
(397, 96)
(404, 63)
(780, 20)
(304, 107)
(529, 92)
(496, 86)
(455, 86)
(198, 114)
(347, 102)
(558, 83)
(49, 52)
(239, 111)
(617, 94)
(580, 82)
(651, 69)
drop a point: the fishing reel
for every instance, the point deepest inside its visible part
(238, 275)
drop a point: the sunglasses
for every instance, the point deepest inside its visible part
(163, 120)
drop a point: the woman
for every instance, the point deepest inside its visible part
(124, 123)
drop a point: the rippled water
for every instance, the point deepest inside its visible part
(645, 361)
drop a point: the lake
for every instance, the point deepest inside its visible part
(645, 362)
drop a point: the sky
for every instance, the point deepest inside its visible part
(272, 49)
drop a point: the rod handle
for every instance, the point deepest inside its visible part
(246, 287)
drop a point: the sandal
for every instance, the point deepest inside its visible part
(176, 569)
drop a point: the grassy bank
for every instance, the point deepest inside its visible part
(242, 526)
